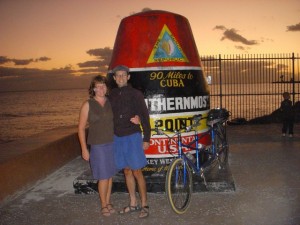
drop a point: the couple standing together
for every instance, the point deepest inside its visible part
(115, 139)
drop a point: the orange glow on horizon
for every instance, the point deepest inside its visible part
(33, 29)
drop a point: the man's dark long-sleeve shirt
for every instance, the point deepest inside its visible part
(127, 102)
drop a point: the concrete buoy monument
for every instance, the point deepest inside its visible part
(160, 50)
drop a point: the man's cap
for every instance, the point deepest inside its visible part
(120, 68)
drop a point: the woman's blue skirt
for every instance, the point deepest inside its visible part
(102, 161)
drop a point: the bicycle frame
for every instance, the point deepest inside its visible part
(179, 177)
(197, 166)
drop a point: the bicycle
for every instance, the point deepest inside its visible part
(178, 183)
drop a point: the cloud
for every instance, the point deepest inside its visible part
(232, 35)
(93, 63)
(24, 79)
(89, 70)
(33, 72)
(44, 59)
(22, 62)
(97, 66)
(18, 79)
(295, 27)
(100, 52)
(103, 57)
(220, 27)
(4, 59)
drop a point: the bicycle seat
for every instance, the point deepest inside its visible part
(217, 115)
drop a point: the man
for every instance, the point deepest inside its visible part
(129, 144)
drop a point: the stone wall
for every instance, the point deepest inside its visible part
(24, 162)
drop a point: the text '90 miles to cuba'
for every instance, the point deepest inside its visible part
(171, 79)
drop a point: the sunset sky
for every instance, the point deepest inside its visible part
(58, 39)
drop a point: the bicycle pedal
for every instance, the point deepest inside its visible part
(219, 161)
(204, 180)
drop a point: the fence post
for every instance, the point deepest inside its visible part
(220, 74)
(293, 77)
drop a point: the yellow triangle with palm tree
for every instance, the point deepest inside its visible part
(167, 49)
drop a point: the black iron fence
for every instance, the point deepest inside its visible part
(251, 86)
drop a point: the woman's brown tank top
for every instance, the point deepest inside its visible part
(100, 121)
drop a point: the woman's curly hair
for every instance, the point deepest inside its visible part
(96, 80)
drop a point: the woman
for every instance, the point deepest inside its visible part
(96, 112)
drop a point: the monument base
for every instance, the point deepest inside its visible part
(217, 180)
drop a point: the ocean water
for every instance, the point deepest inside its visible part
(23, 114)
(251, 101)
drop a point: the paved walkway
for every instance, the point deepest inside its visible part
(265, 168)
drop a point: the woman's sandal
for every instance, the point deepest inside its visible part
(111, 208)
(129, 209)
(105, 211)
(144, 212)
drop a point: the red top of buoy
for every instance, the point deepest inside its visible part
(155, 39)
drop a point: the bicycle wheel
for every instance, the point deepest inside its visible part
(221, 145)
(178, 186)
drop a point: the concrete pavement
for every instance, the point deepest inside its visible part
(265, 168)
